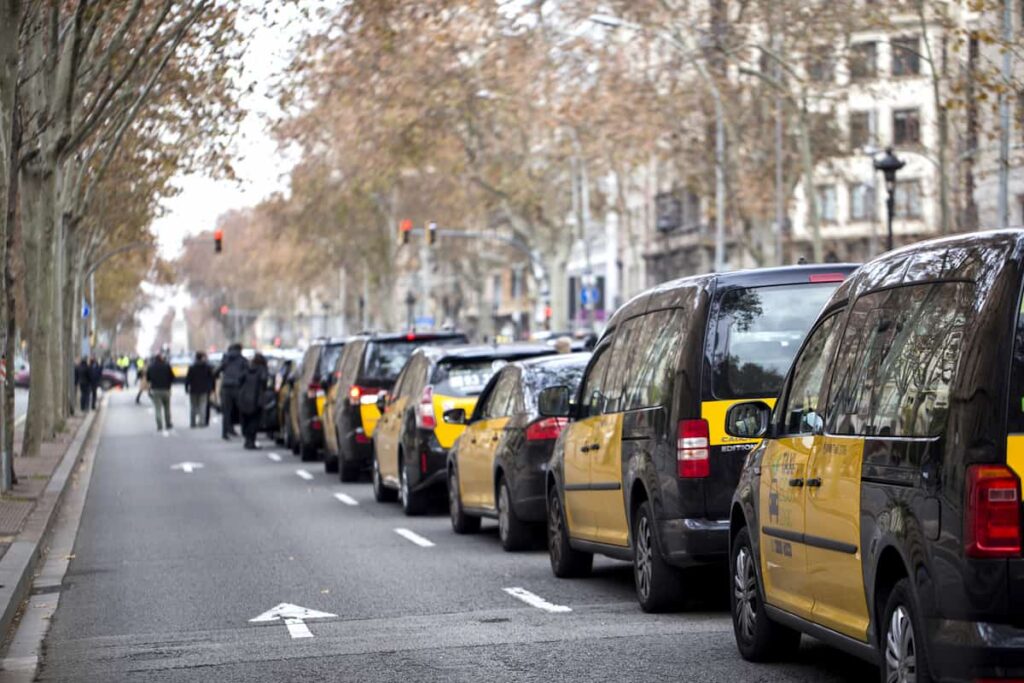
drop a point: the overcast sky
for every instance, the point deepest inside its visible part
(261, 169)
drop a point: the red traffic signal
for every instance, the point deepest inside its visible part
(404, 228)
(224, 310)
(218, 238)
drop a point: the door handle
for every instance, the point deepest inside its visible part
(494, 438)
(815, 482)
(587, 449)
(595, 446)
(796, 482)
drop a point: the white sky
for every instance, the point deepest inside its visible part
(261, 169)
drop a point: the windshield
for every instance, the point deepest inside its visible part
(759, 330)
(384, 360)
(464, 377)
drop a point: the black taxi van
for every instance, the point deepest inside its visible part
(369, 365)
(644, 471)
(882, 512)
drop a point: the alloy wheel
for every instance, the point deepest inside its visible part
(453, 493)
(745, 594)
(900, 648)
(555, 530)
(403, 485)
(643, 558)
(503, 521)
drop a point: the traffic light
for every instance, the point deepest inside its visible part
(224, 310)
(218, 238)
(431, 233)
(404, 228)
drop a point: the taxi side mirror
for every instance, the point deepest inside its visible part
(554, 402)
(748, 420)
(455, 416)
(382, 401)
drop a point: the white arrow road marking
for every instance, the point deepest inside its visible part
(188, 467)
(346, 499)
(414, 537)
(294, 618)
(274, 456)
(534, 600)
(304, 474)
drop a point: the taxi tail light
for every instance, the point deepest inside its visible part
(358, 395)
(693, 449)
(545, 429)
(992, 512)
(425, 418)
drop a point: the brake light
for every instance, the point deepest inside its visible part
(410, 337)
(826, 277)
(362, 395)
(425, 418)
(314, 390)
(992, 512)
(545, 429)
(693, 450)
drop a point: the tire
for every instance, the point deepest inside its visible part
(347, 472)
(381, 493)
(290, 439)
(904, 657)
(659, 585)
(307, 452)
(565, 562)
(461, 522)
(330, 463)
(414, 503)
(512, 531)
(758, 638)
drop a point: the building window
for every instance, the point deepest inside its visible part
(863, 126)
(906, 56)
(862, 202)
(820, 65)
(906, 127)
(827, 209)
(863, 61)
(677, 209)
(908, 199)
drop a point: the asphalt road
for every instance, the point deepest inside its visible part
(170, 567)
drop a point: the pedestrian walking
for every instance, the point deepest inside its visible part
(95, 379)
(160, 379)
(83, 380)
(142, 381)
(198, 385)
(231, 373)
(140, 370)
(250, 399)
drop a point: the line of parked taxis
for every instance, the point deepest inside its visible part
(848, 443)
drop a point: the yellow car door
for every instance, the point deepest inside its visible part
(606, 502)
(468, 458)
(477, 473)
(385, 439)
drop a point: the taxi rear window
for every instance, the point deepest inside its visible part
(463, 378)
(385, 358)
(757, 333)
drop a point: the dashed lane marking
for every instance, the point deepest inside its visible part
(415, 538)
(346, 499)
(304, 474)
(534, 600)
(274, 456)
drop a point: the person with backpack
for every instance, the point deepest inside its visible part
(83, 380)
(198, 385)
(161, 377)
(250, 399)
(231, 373)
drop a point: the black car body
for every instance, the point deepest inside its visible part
(308, 395)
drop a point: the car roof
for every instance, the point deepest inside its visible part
(556, 360)
(426, 337)
(485, 351)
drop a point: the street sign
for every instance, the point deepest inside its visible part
(424, 321)
(294, 618)
(588, 296)
(85, 310)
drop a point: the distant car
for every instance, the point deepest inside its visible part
(179, 366)
(112, 379)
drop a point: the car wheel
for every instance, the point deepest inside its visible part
(565, 562)
(513, 532)
(307, 451)
(293, 443)
(904, 659)
(381, 493)
(330, 463)
(758, 638)
(413, 502)
(346, 472)
(658, 584)
(461, 522)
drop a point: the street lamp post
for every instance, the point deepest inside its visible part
(889, 164)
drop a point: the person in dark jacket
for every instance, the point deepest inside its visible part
(83, 380)
(198, 385)
(161, 377)
(250, 397)
(95, 379)
(231, 372)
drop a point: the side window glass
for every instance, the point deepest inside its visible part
(623, 356)
(592, 398)
(497, 406)
(654, 360)
(803, 410)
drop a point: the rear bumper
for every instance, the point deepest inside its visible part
(971, 650)
(530, 497)
(357, 454)
(692, 541)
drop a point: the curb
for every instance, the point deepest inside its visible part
(19, 563)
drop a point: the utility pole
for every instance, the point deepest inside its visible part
(780, 180)
(1004, 119)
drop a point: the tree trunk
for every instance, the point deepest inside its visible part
(807, 164)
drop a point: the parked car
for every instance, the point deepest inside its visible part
(307, 397)
(180, 365)
(644, 472)
(882, 512)
(497, 467)
(371, 364)
(411, 442)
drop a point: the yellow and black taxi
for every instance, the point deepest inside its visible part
(369, 366)
(644, 471)
(308, 394)
(411, 441)
(882, 511)
(497, 467)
